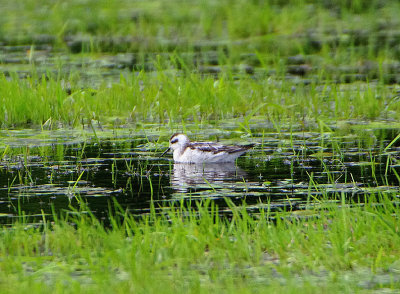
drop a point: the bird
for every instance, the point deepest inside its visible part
(185, 151)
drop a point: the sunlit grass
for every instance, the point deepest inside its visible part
(197, 251)
(155, 22)
(336, 42)
(334, 246)
(171, 98)
(339, 33)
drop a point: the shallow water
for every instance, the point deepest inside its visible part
(43, 171)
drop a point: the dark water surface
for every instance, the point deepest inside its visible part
(285, 171)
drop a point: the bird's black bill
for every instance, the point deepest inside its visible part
(164, 152)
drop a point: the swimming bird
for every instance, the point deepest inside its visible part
(185, 151)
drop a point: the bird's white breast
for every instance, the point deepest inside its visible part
(190, 155)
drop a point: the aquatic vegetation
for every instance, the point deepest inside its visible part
(196, 250)
(197, 62)
(44, 169)
(89, 100)
(177, 99)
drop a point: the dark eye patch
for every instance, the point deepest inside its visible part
(174, 141)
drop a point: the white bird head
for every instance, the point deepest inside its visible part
(177, 141)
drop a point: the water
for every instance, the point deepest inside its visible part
(44, 171)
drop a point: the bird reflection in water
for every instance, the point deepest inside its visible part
(186, 176)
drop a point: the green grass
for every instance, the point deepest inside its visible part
(341, 250)
(337, 42)
(330, 247)
(338, 36)
(171, 24)
(169, 98)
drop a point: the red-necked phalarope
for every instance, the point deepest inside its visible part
(203, 152)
